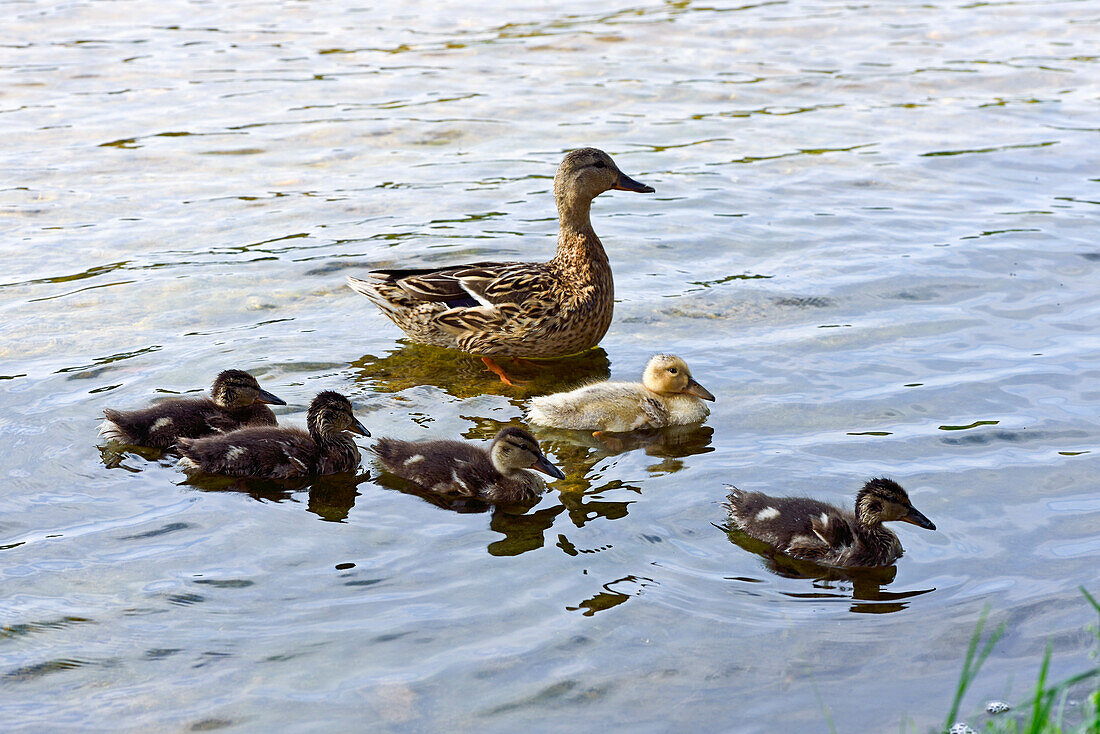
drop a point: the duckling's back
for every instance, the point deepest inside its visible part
(267, 452)
(452, 467)
(798, 526)
(162, 424)
(604, 406)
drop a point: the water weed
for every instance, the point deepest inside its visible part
(1045, 710)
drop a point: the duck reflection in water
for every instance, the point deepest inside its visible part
(464, 375)
(579, 451)
(330, 497)
(867, 589)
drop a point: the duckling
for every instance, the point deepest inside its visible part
(814, 531)
(282, 453)
(236, 401)
(517, 309)
(456, 467)
(667, 396)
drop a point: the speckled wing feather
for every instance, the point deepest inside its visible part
(440, 285)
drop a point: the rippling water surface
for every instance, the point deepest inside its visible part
(874, 238)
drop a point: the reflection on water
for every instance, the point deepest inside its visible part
(866, 584)
(521, 533)
(579, 451)
(114, 456)
(330, 497)
(609, 597)
(464, 375)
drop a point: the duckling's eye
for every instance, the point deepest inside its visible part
(599, 164)
(672, 370)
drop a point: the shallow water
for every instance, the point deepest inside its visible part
(873, 238)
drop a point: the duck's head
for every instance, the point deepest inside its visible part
(586, 173)
(669, 375)
(238, 389)
(514, 448)
(882, 500)
(330, 413)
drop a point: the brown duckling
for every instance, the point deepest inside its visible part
(282, 453)
(814, 531)
(498, 474)
(236, 401)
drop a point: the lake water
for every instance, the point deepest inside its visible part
(873, 238)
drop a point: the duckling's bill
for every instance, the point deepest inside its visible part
(543, 465)
(270, 399)
(357, 427)
(915, 517)
(694, 388)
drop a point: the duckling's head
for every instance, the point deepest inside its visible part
(238, 389)
(330, 413)
(514, 448)
(669, 375)
(882, 500)
(586, 173)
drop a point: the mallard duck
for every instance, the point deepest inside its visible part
(282, 453)
(517, 309)
(814, 531)
(667, 396)
(498, 474)
(236, 401)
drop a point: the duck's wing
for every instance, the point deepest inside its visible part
(470, 285)
(832, 528)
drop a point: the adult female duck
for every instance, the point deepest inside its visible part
(517, 309)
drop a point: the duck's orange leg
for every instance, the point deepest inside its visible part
(497, 370)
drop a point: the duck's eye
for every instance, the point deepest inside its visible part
(599, 164)
(672, 370)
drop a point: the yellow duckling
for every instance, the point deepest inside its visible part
(667, 396)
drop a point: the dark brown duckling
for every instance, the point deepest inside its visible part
(498, 474)
(236, 401)
(282, 453)
(815, 531)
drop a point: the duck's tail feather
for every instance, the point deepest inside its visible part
(111, 431)
(374, 295)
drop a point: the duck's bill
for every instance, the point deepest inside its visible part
(626, 183)
(266, 397)
(357, 427)
(694, 388)
(918, 519)
(543, 465)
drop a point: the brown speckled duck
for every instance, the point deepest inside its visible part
(667, 396)
(517, 309)
(282, 453)
(456, 467)
(236, 401)
(814, 531)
